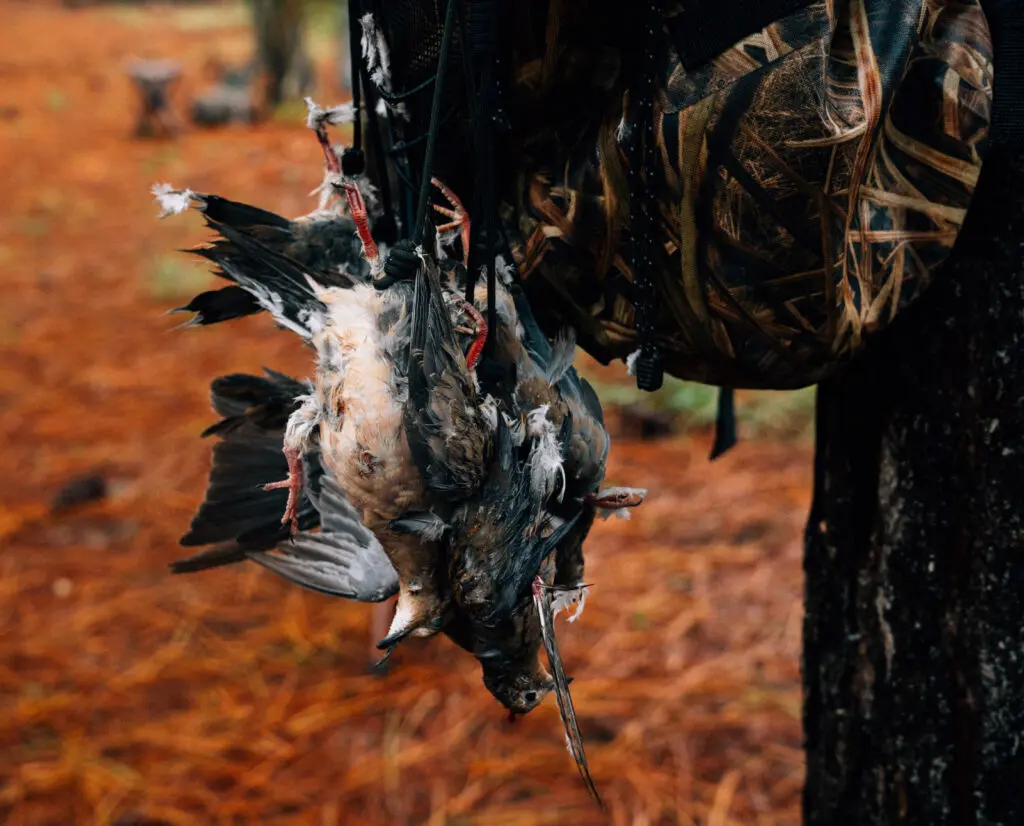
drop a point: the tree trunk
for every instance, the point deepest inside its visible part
(281, 55)
(914, 631)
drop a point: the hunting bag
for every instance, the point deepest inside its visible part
(739, 191)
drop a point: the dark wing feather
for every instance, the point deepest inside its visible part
(548, 358)
(236, 214)
(449, 439)
(215, 306)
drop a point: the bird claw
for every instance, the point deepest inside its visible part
(480, 334)
(357, 209)
(293, 484)
(457, 212)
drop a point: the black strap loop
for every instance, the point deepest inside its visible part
(401, 264)
(649, 366)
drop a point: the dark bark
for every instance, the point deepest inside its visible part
(914, 632)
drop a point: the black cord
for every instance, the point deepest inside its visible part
(405, 146)
(354, 52)
(395, 98)
(481, 30)
(650, 373)
(419, 234)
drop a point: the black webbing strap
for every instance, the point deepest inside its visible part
(419, 234)
(481, 28)
(706, 28)
(725, 423)
(1006, 20)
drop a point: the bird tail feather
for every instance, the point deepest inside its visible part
(236, 510)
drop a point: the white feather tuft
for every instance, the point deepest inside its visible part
(375, 52)
(316, 115)
(489, 410)
(567, 599)
(515, 427)
(546, 471)
(172, 201)
(506, 271)
(620, 130)
(631, 362)
(298, 433)
(443, 240)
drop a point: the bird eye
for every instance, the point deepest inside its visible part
(530, 696)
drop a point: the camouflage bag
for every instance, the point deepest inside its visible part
(806, 183)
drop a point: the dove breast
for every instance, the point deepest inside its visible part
(360, 383)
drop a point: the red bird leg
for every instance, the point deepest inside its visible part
(477, 347)
(357, 209)
(333, 164)
(458, 214)
(294, 486)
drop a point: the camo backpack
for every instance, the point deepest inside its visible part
(738, 192)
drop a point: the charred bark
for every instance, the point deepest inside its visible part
(914, 631)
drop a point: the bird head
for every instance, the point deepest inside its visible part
(520, 688)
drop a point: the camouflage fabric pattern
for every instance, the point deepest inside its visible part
(813, 178)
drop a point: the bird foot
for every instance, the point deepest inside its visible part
(357, 209)
(293, 484)
(459, 217)
(479, 331)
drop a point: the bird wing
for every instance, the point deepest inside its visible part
(236, 509)
(343, 560)
(447, 431)
(278, 284)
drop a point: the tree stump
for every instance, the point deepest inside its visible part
(281, 50)
(914, 631)
(153, 80)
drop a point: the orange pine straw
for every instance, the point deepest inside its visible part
(131, 696)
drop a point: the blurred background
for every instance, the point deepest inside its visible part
(129, 697)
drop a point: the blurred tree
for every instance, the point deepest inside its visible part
(282, 57)
(914, 631)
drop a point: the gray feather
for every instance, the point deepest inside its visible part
(428, 526)
(343, 560)
(563, 351)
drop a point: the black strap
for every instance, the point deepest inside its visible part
(420, 230)
(1006, 20)
(649, 366)
(725, 423)
(481, 30)
(703, 29)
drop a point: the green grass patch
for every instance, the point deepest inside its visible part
(694, 406)
(173, 277)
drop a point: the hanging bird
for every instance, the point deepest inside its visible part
(353, 417)
(325, 243)
(343, 559)
(502, 463)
